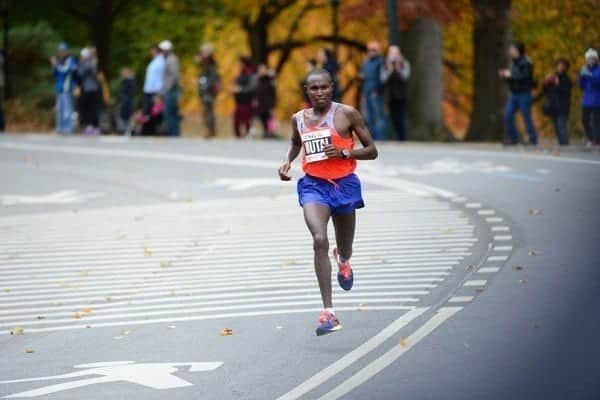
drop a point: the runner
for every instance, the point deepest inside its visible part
(329, 188)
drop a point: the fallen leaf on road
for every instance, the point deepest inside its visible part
(107, 298)
(446, 230)
(125, 332)
(518, 267)
(165, 264)
(479, 289)
(533, 252)
(40, 317)
(88, 310)
(7, 290)
(84, 273)
(226, 332)
(147, 252)
(522, 281)
(17, 330)
(172, 293)
(77, 315)
(189, 200)
(88, 326)
(535, 211)
(403, 342)
(29, 351)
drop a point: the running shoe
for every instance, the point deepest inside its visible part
(345, 275)
(328, 323)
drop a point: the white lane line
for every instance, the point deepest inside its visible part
(459, 199)
(134, 294)
(116, 303)
(363, 299)
(81, 288)
(494, 219)
(392, 355)
(502, 238)
(486, 212)
(488, 270)
(500, 229)
(473, 205)
(76, 283)
(503, 248)
(475, 282)
(350, 358)
(460, 299)
(226, 253)
(498, 258)
(90, 318)
(205, 317)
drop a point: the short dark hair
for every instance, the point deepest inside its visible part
(519, 46)
(318, 71)
(564, 62)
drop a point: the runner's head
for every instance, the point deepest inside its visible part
(319, 88)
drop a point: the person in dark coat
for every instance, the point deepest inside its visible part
(557, 105)
(395, 75)
(127, 95)
(520, 82)
(244, 91)
(266, 98)
(326, 59)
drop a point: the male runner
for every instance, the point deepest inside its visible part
(329, 188)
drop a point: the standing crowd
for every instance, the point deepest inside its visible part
(383, 88)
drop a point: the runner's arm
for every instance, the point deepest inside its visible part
(357, 123)
(292, 152)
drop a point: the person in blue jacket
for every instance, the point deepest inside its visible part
(589, 82)
(372, 91)
(64, 68)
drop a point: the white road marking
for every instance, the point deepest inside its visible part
(500, 229)
(150, 375)
(498, 258)
(475, 283)
(502, 237)
(488, 270)
(62, 197)
(503, 248)
(392, 355)
(473, 205)
(460, 299)
(350, 358)
(486, 212)
(494, 219)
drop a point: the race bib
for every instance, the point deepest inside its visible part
(314, 143)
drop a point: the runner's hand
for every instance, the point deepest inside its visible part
(333, 152)
(284, 172)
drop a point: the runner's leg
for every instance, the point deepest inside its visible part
(316, 217)
(345, 225)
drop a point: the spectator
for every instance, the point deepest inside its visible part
(90, 92)
(208, 87)
(265, 100)
(170, 89)
(244, 89)
(394, 76)
(589, 82)
(520, 82)
(127, 95)
(154, 78)
(326, 60)
(372, 91)
(64, 68)
(557, 90)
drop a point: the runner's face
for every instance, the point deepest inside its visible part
(319, 89)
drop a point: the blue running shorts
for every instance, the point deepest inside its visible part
(342, 196)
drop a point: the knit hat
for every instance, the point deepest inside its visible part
(165, 45)
(591, 53)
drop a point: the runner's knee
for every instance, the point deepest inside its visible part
(320, 242)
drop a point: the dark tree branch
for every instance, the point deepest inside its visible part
(72, 10)
(357, 44)
(119, 7)
(287, 49)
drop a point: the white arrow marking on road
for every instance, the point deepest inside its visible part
(62, 197)
(152, 375)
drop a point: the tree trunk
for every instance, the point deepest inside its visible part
(258, 40)
(100, 32)
(491, 38)
(422, 44)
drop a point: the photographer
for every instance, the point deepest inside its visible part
(394, 76)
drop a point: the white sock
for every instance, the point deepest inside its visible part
(330, 310)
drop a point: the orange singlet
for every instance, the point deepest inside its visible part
(328, 168)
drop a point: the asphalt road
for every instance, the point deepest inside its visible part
(123, 263)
